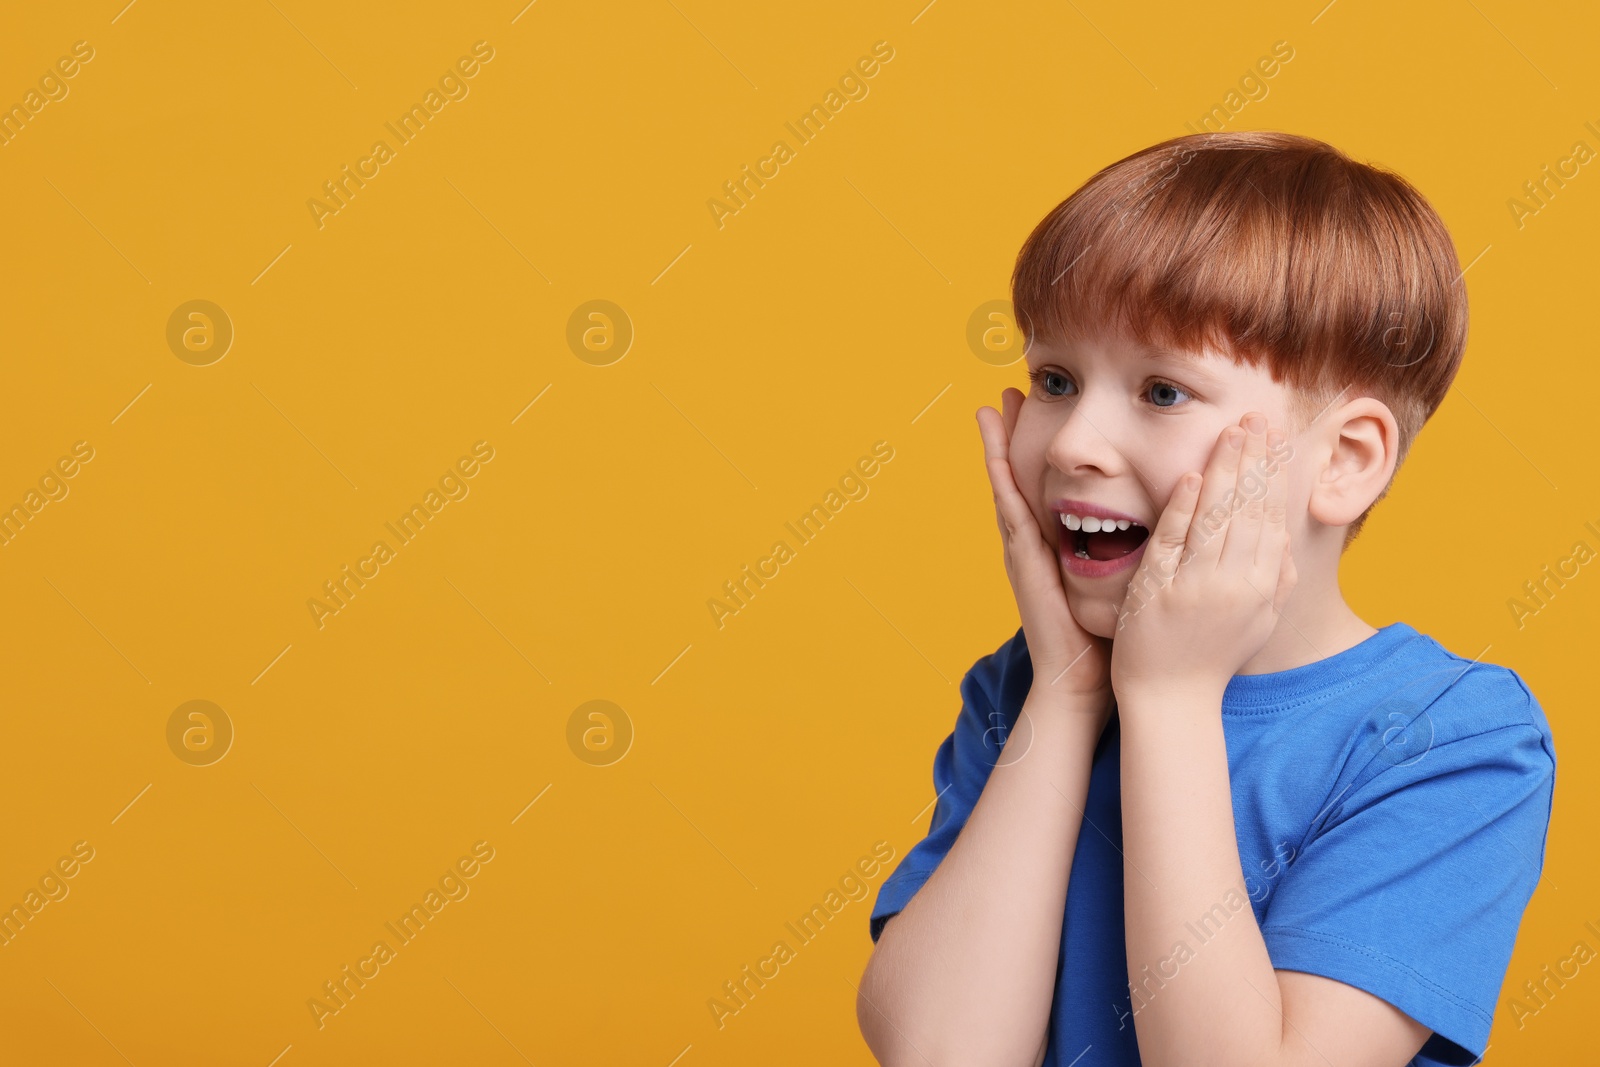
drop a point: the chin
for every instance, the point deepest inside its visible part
(1096, 614)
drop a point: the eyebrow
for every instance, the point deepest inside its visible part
(1164, 354)
(1192, 362)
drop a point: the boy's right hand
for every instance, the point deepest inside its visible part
(1066, 658)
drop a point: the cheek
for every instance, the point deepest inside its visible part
(1027, 459)
(1161, 492)
(1299, 498)
(1028, 465)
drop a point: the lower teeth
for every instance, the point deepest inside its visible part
(1082, 553)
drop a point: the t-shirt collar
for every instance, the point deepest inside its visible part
(1259, 694)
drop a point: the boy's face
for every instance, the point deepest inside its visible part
(1105, 432)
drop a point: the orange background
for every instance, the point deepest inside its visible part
(768, 355)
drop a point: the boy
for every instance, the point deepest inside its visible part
(1196, 811)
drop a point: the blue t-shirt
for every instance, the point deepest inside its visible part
(1391, 804)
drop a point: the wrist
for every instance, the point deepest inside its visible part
(1135, 695)
(1070, 701)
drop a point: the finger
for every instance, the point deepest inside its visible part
(999, 519)
(1009, 505)
(1172, 529)
(1214, 510)
(1249, 504)
(1011, 407)
(1270, 550)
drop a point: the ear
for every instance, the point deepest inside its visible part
(1361, 443)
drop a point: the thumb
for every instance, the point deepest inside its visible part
(1172, 529)
(1287, 576)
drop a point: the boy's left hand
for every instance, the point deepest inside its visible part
(1216, 572)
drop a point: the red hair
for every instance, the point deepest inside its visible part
(1269, 248)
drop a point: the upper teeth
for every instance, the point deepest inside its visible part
(1092, 524)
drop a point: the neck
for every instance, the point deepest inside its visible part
(1315, 624)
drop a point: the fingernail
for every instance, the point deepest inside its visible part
(1235, 437)
(1255, 423)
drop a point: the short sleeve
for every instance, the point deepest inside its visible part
(1415, 886)
(961, 767)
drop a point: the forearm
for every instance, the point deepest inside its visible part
(1215, 999)
(966, 972)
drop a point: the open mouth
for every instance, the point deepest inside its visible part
(1093, 538)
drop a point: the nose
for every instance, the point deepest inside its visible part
(1088, 439)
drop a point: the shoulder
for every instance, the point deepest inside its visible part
(999, 680)
(1459, 737)
(1464, 698)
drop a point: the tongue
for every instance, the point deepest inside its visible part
(1115, 544)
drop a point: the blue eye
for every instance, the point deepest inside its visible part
(1166, 395)
(1055, 383)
